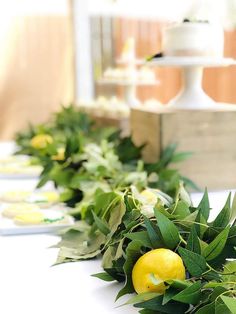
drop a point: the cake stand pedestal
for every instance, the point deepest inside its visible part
(192, 95)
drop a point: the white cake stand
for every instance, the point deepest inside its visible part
(129, 87)
(191, 95)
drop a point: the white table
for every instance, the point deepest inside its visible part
(29, 285)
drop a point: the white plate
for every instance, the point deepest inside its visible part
(123, 82)
(8, 227)
(192, 61)
(18, 176)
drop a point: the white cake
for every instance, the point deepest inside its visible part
(193, 39)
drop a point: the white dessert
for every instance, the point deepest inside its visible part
(130, 74)
(193, 39)
(146, 75)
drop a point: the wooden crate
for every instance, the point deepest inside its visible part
(210, 135)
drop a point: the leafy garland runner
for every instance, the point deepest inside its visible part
(117, 226)
(122, 219)
(82, 159)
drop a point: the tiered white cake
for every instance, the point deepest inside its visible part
(193, 39)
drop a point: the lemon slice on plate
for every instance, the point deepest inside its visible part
(15, 196)
(30, 218)
(13, 210)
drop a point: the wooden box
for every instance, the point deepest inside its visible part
(209, 134)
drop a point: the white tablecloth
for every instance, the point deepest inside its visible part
(29, 285)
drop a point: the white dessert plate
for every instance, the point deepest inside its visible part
(122, 82)
(19, 176)
(192, 61)
(18, 167)
(8, 227)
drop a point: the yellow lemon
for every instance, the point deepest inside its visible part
(51, 196)
(30, 218)
(154, 267)
(60, 154)
(149, 196)
(13, 210)
(41, 141)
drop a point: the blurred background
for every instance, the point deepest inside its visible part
(55, 52)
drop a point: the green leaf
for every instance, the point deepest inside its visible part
(190, 295)
(220, 307)
(181, 210)
(168, 230)
(178, 284)
(183, 194)
(102, 225)
(204, 206)
(233, 210)
(229, 273)
(116, 216)
(133, 252)
(181, 156)
(223, 218)
(193, 243)
(141, 236)
(156, 304)
(169, 294)
(188, 221)
(152, 231)
(195, 263)
(201, 225)
(141, 297)
(216, 246)
(207, 309)
(108, 257)
(230, 303)
(103, 276)
(216, 292)
(145, 311)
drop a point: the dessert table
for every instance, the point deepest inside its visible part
(30, 285)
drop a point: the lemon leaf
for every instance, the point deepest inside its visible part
(193, 243)
(216, 246)
(207, 309)
(103, 276)
(102, 225)
(141, 297)
(190, 295)
(152, 231)
(168, 230)
(230, 303)
(195, 263)
(141, 236)
(204, 205)
(223, 218)
(133, 252)
(156, 304)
